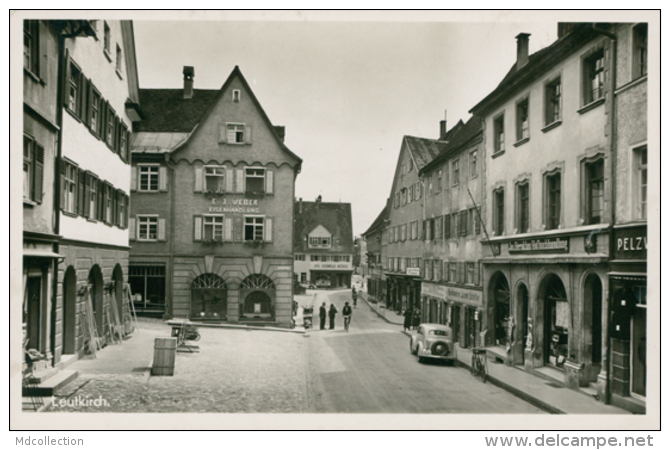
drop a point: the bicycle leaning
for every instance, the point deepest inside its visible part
(479, 363)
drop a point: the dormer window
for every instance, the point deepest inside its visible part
(319, 241)
(236, 95)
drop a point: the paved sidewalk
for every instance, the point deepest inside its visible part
(537, 391)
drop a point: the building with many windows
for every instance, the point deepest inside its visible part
(376, 281)
(548, 195)
(211, 218)
(627, 341)
(451, 286)
(97, 105)
(323, 243)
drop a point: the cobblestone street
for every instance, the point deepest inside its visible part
(227, 375)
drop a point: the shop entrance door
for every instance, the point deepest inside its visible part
(456, 323)
(556, 322)
(639, 352)
(32, 317)
(522, 299)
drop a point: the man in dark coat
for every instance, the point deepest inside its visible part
(331, 315)
(322, 316)
(407, 324)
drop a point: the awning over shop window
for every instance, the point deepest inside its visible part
(39, 253)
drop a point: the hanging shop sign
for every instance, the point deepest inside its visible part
(555, 245)
(452, 294)
(413, 271)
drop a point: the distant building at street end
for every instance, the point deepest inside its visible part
(323, 244)
(374, 236)
(360, 252)
(211, 221)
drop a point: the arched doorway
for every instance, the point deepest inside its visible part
(95, 285)
(501, 308)
(69, 311)
(117, 278)
(209, 298)
(257, 295)
(556, 320)
(523, 319)
(593, 302)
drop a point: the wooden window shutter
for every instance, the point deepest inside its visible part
(447, 226)
(115, 135)
(81, 100)
(197, 228)
(477, 273)
(267, 230)
(81, 193)
(478, 223)
(161, 229)
(132, 233)
(229, 180)
(162, 178)
(222, 133)
(198, 179)
(87, 195)
(126, 200)
(66, 79)
(43, 52)
(239, 180)
(89, 107)
(247, 135)
(38, 155)
(228, 229)
(63, 184)
(462, 267)
(117, 213)
(133, 178)
(269, 182)
(238, 229)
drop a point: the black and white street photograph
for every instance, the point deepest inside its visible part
(335, 220)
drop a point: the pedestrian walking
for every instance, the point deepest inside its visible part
(322, 316)
(407, 324)
(346, 313)
(331, 315)
(416, 319)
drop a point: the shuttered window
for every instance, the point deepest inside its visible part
(33, 170)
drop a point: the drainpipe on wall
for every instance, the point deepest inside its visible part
(613, 53)
(168, 310)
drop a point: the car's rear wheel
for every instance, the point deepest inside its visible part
(440, 349)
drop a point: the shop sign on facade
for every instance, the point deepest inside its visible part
(452, 294)
(413, 271)
(235, 205)
(630, 243)
(556, 245)
(330, 266)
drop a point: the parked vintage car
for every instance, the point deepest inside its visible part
(433, 341)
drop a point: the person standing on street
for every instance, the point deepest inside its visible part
(322, 316)
(346, 313)
(416, 320)
(331, 314)
(407, 324)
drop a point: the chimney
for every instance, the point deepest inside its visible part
(521, 50)
(189, 73)
(281, 131)
(443, 129)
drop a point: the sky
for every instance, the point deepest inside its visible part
(347, 87)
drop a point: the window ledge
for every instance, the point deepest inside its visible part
(68, 213)
(521, 141)
(107, 55)
(35, 78)
(552, 125)
(29, 203)
(591, 105)
(148, 192)
(498, 153)
(118, 74)
(73, 114)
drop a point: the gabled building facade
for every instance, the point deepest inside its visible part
(323, 243)
(211, 221)
(404, 259)
(451, 288)
(548, 196)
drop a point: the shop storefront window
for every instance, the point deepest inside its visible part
(209, 295)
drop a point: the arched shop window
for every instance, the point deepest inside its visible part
(258, 301)
(209, 298)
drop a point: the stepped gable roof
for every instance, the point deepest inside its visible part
(379, 221)
(335, 217)
(465, 134)
(166, 110)
(424, 150)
